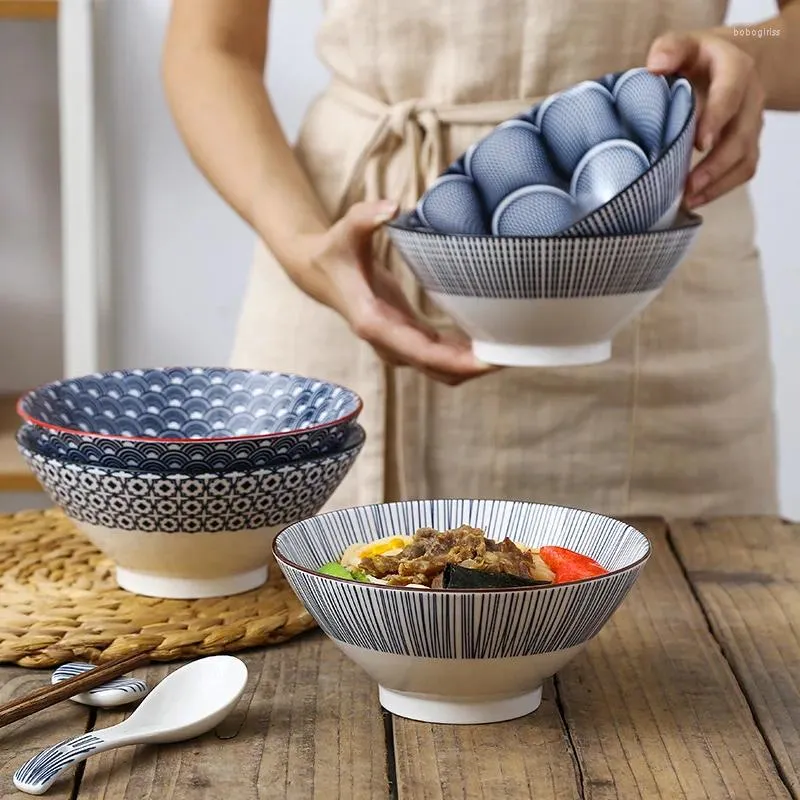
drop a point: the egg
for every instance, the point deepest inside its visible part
(389, 546)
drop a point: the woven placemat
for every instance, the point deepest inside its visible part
(59, 602)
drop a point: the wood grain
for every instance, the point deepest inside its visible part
(28, 9)
(528, 757)
(653, 708)
(22, 740)
(51, 694)
(745, 573)
(309, 726)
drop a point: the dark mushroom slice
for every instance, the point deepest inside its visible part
(456, 577)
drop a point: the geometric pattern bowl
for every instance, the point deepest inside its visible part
(192, 535)
(543, 267)
(461, 655)
(197, 410)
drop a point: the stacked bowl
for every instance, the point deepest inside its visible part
(553, 231)
(183, 476)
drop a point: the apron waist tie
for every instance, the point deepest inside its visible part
(411, 130)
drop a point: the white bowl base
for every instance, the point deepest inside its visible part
(515, 355)
(150, 585)
(440, 709)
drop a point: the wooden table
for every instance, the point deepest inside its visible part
(691, 691)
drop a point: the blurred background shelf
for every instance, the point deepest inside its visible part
(14, 474)
(28, 9)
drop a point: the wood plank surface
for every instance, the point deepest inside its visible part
(527, 757)
(28, 9)
(745, 573)
(308, 726)
(24, 739)
(653, 708)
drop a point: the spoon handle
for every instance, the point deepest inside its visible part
(40, 773)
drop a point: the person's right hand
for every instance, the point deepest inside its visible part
(339, 271)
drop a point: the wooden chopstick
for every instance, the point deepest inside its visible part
(50, 695)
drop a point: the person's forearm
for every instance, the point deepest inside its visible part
(224, 115)
(775, 47)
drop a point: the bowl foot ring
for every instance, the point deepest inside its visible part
(443, 710)
(150, 585)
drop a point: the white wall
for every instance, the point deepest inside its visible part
(181, 257)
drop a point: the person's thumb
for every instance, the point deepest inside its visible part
(362, 219)
(672, 52)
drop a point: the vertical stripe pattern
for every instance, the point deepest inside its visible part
(462, 624)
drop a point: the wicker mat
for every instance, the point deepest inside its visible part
(59, 602)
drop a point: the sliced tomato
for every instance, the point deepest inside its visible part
(569, 565)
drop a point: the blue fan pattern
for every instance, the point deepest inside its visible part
(189, 458)
(244, 419)
(545, 145)
(194, 504)
(190, 403)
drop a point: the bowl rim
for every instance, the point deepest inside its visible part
(281, 559)
(686, 221)
(690, 120)
(359, 433)
(31, 420)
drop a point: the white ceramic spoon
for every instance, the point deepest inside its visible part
(187, 703)
(117, 692)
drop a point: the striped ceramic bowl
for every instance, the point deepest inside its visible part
(461, 656)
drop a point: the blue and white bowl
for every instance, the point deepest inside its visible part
(190, 536)
(546, 301)
(549, 144)
(461, 656)
(188, 419)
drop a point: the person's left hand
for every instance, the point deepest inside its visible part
(730, 106)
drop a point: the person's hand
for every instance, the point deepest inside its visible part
(731, 107)
(339, 271)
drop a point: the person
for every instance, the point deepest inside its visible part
(678, 422)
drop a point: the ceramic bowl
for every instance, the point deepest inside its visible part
(557, 301)
(563, 144)
(190, 536)
(461, 656)
(188, 419)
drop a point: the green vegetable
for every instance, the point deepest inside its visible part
(336, 570)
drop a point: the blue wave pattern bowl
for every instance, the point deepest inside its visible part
(461, 656)
(191, 419)
(562, 144)
(192, 535)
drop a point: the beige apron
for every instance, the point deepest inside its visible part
(678, 422)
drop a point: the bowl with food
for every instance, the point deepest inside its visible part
(190, 536)
(189, 420)
(460, 609)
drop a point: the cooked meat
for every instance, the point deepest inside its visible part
(424, 559)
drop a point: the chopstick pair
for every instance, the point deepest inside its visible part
(50, 695)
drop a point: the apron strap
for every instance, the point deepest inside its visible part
(411, 130)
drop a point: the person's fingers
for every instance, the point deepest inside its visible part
(672, 52)
(412, 346)
(363, 219)
(741, 173)
(730, 74)
(734, 158)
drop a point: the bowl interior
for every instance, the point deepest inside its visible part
(189, 403)
(309, 544)
(546, 148)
